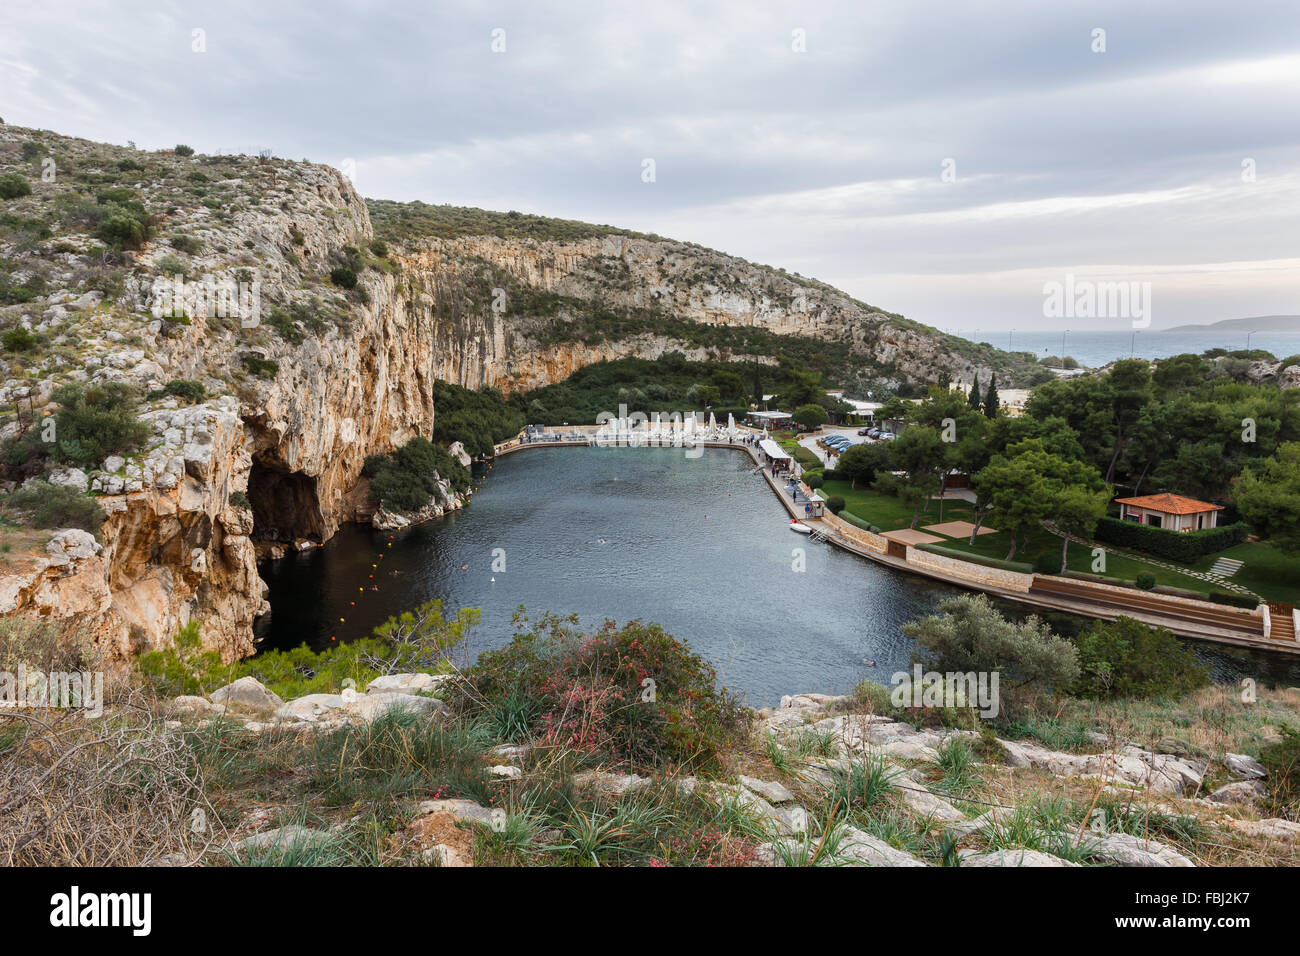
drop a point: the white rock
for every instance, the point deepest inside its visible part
(509, 773)
(247, 693)
(373, 705)
(310, 707)
(769, 790)
(1247, 768)
(861, 847)
(406, 683)
(1015, 858)
(460, 809)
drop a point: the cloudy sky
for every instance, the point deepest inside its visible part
(943, 160)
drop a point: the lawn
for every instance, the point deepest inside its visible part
(1268, 572)
(890, 514)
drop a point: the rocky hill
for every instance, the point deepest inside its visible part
(283, 331)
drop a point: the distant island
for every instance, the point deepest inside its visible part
(1260, 323)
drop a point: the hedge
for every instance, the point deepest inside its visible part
(1018, 566)
(857, 522)
(1185, 547)
(1236, 600)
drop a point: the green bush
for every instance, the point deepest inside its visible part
(343, 277)
(1146, 581)
(1048, 562)
(633, 695)
(186, 244)
(262, 368)
(17, 339)
(476, 419)
(14, 185)
(421, 639)
(835, 504)
(814, 480)
(1235, 600)
(183, 150)
(407, 479)
(186, 389)
(44, 505)
(96, 421)
(832, 474)
(1126, 658)
(1185, 547)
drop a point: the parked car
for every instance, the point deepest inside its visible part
(874, 433)
(887, 436)
(864, 432)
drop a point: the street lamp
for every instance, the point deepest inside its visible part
(1063, 335)
(1248, 335)
(1132, 343)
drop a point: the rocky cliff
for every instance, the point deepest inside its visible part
(315, 345)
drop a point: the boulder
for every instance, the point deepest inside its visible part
(373, 705)
(860, 847)
(609, 783)
(1125, 850)
(769, 790)
(1015, 858)
(1273, 829)
(1244, 767)
(283, 838)
(247, 694)
(72, 544)
(406, 683)
(466, 810)
(310, 707)
(1242, 792)
(195, 706)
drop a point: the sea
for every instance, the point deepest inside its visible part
(1096, 349)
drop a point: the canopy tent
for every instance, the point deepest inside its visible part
(772, 450)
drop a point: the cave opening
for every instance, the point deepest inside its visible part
(286, 506)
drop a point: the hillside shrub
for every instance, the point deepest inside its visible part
(43, 505)
(407, 479)
(631, 695)
(14, 185)
(343, 277)
(1126, 658)
(96, 421)
(835, 504)
(1146, 581)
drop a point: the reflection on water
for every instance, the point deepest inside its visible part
(699, 546)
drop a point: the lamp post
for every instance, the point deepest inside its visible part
(1248, 335)
(1132, 343)
(1063, 335)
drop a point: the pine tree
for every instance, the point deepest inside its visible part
(973, 399)
(991, 398)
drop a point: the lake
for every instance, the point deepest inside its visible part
(698, 545)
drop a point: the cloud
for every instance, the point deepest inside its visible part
(826, 161)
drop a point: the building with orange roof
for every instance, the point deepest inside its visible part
(1171, 512)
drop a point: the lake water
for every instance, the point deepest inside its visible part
(700, 546)
(1095, 349)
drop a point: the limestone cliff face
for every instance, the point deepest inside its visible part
(313, 373)
(512, 349)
